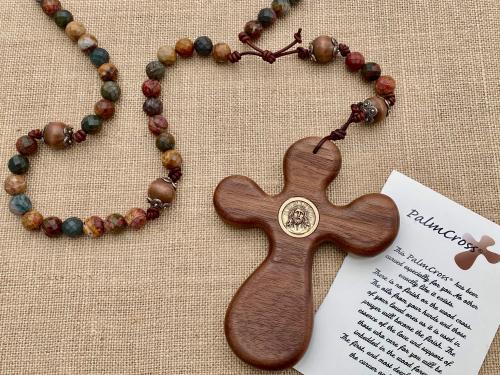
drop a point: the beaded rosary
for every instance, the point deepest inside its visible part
(162, 191)
(269, 320)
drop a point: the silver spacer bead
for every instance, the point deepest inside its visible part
(311, 54)
(68, 136)
(156, 203)
(369, 110)
(389, 107)
(168, 180)
(336, 45)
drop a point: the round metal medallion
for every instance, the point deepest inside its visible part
(298, 217)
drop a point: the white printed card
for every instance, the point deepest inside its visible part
(429, 304)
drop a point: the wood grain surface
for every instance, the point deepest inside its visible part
(269, 321)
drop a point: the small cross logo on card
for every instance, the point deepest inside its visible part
(465, 260)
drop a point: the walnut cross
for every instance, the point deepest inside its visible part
(269, 321)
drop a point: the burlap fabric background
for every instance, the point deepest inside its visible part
(153, 302)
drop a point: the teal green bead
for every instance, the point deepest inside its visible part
(72, 227)
(62, 18)
(20, 204)
(91, 124)
(18, 164)
(99, 56)
(165, 141)
(111, 91)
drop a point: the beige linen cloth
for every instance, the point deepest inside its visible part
(153, 302)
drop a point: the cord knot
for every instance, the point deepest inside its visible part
(268, 56)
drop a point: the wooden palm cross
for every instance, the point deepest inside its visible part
(269, 321)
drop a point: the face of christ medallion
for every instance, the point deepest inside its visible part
(298, 217)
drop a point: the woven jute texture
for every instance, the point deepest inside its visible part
(153, 302)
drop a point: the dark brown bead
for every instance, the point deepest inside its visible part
(371, 71)
(53, 135)
(105, 109)
(26, 145)
(354, 61)
(36, 134)
(175, 174)
(157, 124)
(152, 213)
(162, 190)
(151, 88)
(344, 49)
(80, 136)
(385, 85)
(253, 29)
(153, 106)
(52, 226)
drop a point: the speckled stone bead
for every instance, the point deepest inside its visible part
(162, 190)
(52, 226)
(266, 17)
(115, 223)
(354, 61)
(371, 71)
(15, 184)
(136, 218)
(203, 46)
(323, 49)
(221, 52)
(20, 204)
(253, 29)
(94, 227)
(18, 164)
(51, 7)
(167, 55)
(91, 124)
(108, 72)
(111, 91)
(74, 30)
(99, 56)
(155, 70)
(184, 47)
(105, 109)
(151, 88)
(157, 124)
(385, 85)
(87, 43)
(153, 106)
(53, 135)
(32, 220)
(26, 145)
(72, 227)
(281, 7)
(171, 159)
(165, 141)
(62, 18)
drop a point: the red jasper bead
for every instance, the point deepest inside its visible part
(151, 88)
(254, 29)
(52, 226)
(105, 109)
(157, 124)
(354, 61)
(26, 145)
(385, 85)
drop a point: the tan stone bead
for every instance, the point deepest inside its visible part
(221, 52)
(167, 55)
(382, 108)
(323, 49)
(184, 47)
(171, 159)
(74, 30)
(53, 135)
(108, 72)
(32, 220)
(162, 190)
(15, 184)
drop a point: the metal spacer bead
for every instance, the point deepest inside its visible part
(311, 54)
(336, 45)
(156, 203)
(168, 180)
(68, 136)
(389, 107)
(369, 110)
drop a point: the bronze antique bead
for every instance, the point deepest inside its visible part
(162, 190)
(221, 52)
(324, 49)
(54, 135)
